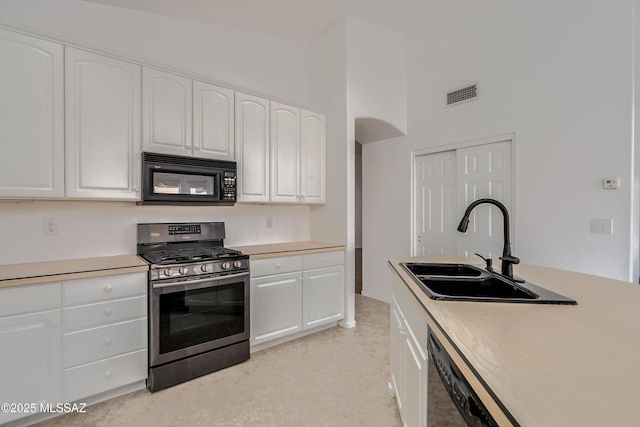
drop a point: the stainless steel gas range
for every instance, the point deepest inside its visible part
(198, 301)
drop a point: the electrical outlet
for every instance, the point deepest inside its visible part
(602, 226)
(50, 227)
(269, 222)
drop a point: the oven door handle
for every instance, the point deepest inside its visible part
(188, 284)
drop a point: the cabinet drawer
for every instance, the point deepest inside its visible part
(98, 377)
(323, 259)
(106, 341)
(270, 266)
(88, 316)
(95, 289)
(29, 299)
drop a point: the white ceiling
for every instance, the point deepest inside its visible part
(300, 20)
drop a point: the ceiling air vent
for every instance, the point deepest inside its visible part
(464, 94)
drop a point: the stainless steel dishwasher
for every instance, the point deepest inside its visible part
(451, 402)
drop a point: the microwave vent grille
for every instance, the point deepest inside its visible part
(188, 161)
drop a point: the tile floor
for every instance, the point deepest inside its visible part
(337, 377)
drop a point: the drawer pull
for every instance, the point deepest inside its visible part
(107, 341)
(108, 312)
(54, 323)
(108, 288)
(107, 375)
(278, 266)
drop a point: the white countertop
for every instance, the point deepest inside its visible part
(287, 249)
(53, 271)
(550, 365)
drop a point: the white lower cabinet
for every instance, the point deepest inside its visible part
(408, 362)
(276, 306)
(293, 294)
(323, 289)
(30, 355)
(105, 334)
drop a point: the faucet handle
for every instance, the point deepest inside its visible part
(488, 261)
(510, 259)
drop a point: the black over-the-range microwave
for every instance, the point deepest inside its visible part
(179, 180)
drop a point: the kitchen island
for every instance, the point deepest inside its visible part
(539, 364)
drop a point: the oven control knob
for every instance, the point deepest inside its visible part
(204, 268)
(183, 270)
(226, 265)
(237, 264)
(168, 272)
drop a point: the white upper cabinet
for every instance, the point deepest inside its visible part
(298, 155)
(31, 117)
(213, 121)
(313, 163)
(186, 117)
(285, 153)
(102, 101)
(166, 113)
(252, 148)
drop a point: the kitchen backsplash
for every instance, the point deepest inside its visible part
(55, 230)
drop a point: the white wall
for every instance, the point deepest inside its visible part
(377, 73)
(276, 67)
(330, 222)
(266, 64)
(559, 76)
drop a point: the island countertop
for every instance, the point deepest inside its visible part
(547, 365)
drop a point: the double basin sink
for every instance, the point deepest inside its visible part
(464, 282)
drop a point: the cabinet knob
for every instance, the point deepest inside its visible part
(107, 341)
(54, 323)
(278, 266)
(108, 311)
(136, 190)
(188, 146)
(107, 375)
(196, 147)
(108, 288)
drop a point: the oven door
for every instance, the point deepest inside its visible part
(189, 318)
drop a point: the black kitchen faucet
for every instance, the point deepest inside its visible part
(507, 259)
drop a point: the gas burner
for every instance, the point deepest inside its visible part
(189, 255)
(201, 254)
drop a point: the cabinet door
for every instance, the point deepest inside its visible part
(276, 306)
(166, 113)
(397, 351)
(252, 148)
(102, 127)
(415, 363)
(285, 156)
(323, 296)
(313, 157)
(30, 368)
(31, 117)
(213, 110)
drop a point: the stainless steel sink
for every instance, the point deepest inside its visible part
(463, 282)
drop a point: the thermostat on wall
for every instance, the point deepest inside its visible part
(610, 183)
